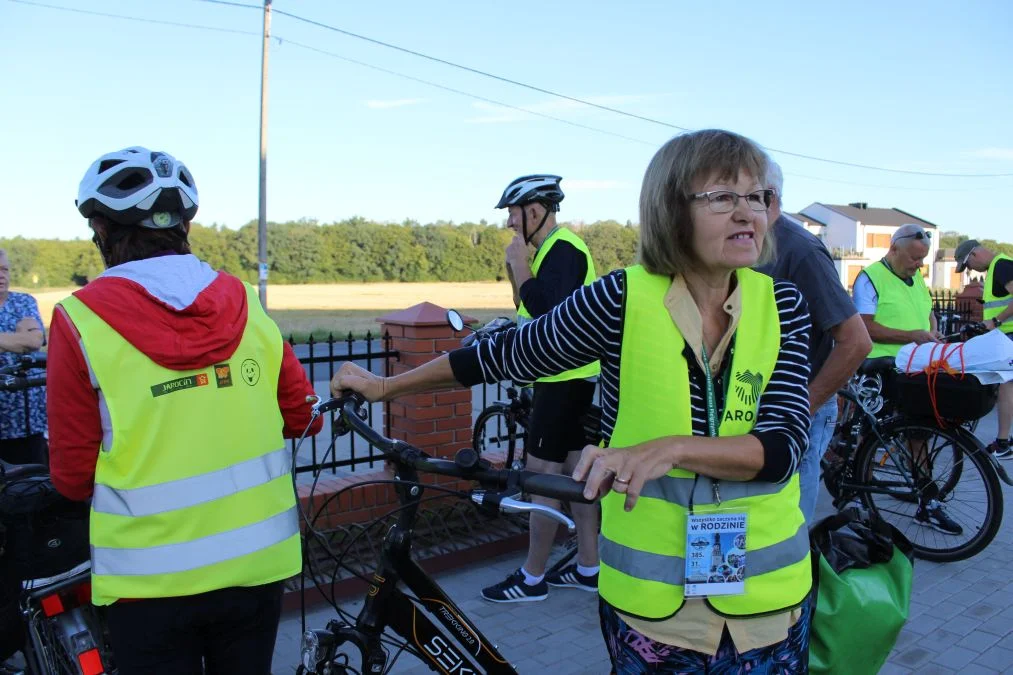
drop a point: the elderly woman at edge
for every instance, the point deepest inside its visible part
(704, 373)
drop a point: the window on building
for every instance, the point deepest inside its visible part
(877, 240)
(853, 272)
(956, 279)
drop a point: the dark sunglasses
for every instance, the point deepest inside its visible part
(917, 235)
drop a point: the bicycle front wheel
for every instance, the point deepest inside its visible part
(496, 429)
(950, 508)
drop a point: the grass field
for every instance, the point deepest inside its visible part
(319, 309)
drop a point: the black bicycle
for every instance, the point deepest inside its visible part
(890, 453)
(427, 622)
(504, 423)
(45, 569)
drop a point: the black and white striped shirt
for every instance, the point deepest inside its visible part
(588, 326)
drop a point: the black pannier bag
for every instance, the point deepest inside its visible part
(44, 533)
(942, 396)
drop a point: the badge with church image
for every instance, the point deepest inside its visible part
(715, 554)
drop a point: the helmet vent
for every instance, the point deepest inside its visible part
(108, 164)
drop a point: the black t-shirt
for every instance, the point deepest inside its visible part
(803, 260)
(1002, 274)
(561, 273)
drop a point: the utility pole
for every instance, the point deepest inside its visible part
(262, 219)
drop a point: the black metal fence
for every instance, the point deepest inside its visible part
(951, 312)
(321, 360)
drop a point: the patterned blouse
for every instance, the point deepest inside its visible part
(13, 424)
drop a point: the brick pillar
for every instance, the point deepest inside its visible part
(438, 423)
(968, 299)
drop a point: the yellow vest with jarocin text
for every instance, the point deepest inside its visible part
(193, 490)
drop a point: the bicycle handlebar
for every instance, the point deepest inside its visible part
(467, 465)
(16, 383)
(11, 472)
(497, 325)
(24, 362)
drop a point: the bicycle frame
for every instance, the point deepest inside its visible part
(855, 425)
(429, 620)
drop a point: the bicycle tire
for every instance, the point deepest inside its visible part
(975, 475)
(499, 415)
(952, 477)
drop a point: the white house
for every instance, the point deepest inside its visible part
(858, 236)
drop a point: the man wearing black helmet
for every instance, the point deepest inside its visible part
(561, 264)
(172, 392)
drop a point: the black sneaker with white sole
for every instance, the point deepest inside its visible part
(1000, 450)
(934, 515)
(513, 589)
(571, 578)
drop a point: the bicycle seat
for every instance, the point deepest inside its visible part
(876, 366)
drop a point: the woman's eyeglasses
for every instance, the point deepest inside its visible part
(725, 201)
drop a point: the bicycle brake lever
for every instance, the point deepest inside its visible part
(511, 505)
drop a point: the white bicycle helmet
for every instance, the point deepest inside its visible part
(137, 186)
(541, 187)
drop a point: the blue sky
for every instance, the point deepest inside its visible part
(917, 86)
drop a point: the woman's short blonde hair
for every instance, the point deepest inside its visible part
(666, 224)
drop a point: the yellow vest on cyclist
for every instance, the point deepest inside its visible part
(643, 551)
(563, 234)
(899, 306)
(994, 305)
(193, 490)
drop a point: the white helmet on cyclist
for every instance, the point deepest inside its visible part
(137, 186)
(542, 188)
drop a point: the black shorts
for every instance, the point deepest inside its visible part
(556, 427)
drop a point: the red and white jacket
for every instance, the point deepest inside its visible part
(180, 313)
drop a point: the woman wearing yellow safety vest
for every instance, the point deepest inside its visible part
(173, 391)
(704, 552)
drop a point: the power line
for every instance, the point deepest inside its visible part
(460, 92)
(509, 81)
(616, 111)
(464, 93)
(233, 4)
(136, 18)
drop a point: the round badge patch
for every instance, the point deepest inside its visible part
(250, 370)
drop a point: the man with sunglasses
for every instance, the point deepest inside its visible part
(895, 304)
(891, 295)
(998, 298)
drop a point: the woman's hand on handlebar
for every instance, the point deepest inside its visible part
(355, 378)
(622, 470)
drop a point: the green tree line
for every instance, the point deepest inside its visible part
(354, 250)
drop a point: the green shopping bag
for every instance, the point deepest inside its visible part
(862, 568)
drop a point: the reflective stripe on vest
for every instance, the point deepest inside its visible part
(643, 551)
(672, 569)
(193, 490)
(898, 306)
(995, 305)
(179, 494)
(523, 315)
(192, 555)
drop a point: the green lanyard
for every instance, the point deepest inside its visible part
(712, 413)
(712, 406)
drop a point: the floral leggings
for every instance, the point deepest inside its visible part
(635, 654)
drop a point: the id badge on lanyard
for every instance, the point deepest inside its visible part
(715, 541)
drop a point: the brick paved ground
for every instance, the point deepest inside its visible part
(961, 616)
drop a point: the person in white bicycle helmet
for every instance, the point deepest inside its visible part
(175, 392)
(561, 264)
